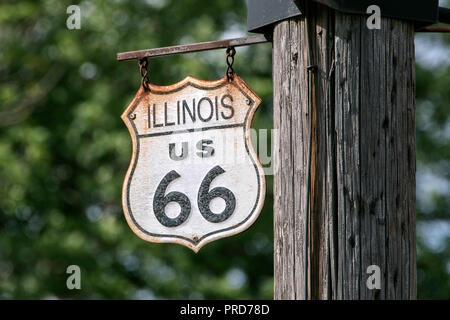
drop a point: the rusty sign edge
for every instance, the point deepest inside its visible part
(240, 83)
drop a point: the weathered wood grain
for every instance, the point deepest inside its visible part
(363, 157)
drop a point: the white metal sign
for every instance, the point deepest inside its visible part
(194, 176)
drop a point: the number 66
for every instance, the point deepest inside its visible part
(203, 200)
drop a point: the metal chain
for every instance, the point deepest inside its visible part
(143, 70)
(230, 60)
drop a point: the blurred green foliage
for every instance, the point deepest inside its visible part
(64, 152)
(433, 180)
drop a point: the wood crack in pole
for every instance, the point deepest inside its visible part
(363, 157)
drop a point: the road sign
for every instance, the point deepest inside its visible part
(194, 176)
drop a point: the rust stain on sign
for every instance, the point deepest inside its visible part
(194, 175)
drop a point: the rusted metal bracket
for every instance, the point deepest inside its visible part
(435, 29)
(195, 47)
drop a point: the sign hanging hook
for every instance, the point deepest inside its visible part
(143, 70)
(231, 51)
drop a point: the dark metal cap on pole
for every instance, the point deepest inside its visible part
(263, 14)
(444, 15)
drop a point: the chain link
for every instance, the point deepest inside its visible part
(230, 60)
(143, 70)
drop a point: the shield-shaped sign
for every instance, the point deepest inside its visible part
(194, 175)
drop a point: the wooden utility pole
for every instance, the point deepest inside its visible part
(363, 156)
